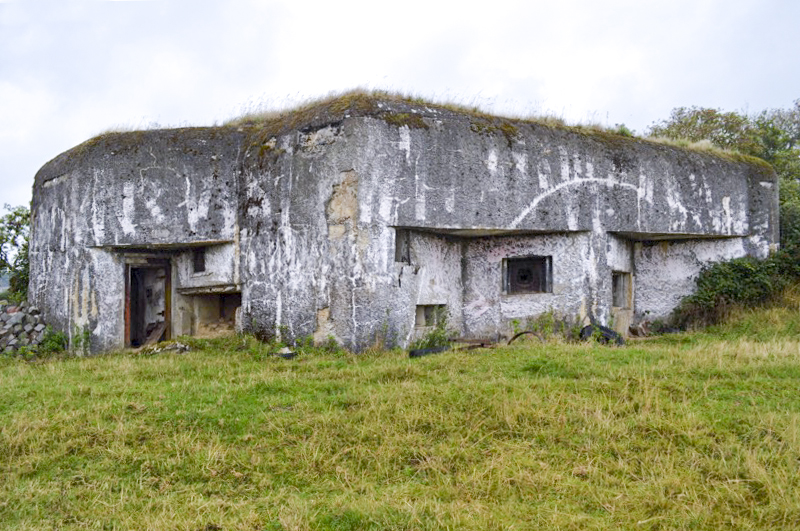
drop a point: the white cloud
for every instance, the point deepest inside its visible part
(72, 68)
(25, 110)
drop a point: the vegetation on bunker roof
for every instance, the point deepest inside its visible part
(394, 108)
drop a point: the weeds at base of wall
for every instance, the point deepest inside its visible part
(549, 325)
(81, 340)
(383, 338)
(305, 345)
(271, 348)
(54, 344)
(439, 336)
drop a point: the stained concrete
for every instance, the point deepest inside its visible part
(300, 218)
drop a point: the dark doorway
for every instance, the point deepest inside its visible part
(147, 308)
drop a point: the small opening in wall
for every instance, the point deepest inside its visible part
(214, 314)
(199, 260)
(620, 289)
(531, 274)
(402, 246)
(430, 315)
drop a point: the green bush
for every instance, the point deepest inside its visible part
(739, 283)
(437, 337)
(53, 342)
(19, 276)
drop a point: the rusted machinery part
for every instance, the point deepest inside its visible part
(602, 334)
(526, 332)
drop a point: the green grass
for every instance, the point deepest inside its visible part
(683, 432)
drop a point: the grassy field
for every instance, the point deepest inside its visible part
(695, 431)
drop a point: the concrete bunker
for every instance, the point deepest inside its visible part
(361, 218)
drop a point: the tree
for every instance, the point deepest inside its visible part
(14, 231)
(727, 130)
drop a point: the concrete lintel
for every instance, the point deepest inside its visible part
(211, 290)
(149, 260)
(480, 232)
(662, 236)
(161, 247)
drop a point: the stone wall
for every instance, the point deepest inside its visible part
(20, 326)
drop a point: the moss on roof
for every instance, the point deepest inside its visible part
(398, 109)
(395, 109)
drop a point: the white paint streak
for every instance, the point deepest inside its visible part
(191, 205)
(576, 165)
(405, 142)
(538, 199)
(572, 218)
(521, 163)
(229, 215)
(564, 158)
(155, 210)
(98, 221)
(544, 174)
(726, 208)
(645, 190)
(128, 209)
(673, 197)
(385, 208)
(419, 206)
(491, 162)
(450, 201)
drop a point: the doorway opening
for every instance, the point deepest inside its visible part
(147, 303)
(215, 314)
(621, 301)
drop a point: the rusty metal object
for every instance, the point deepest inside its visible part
(526, 332)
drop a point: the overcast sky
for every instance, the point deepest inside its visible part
(72, 69)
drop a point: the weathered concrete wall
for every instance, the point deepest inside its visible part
(666, 271)
(145, 188)
(436, 280)
(221, 268)
(124, 191)
(314, 259)
(304, 222)
(489, 310)
(556, 180)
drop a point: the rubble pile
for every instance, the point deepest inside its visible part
(20, 325)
